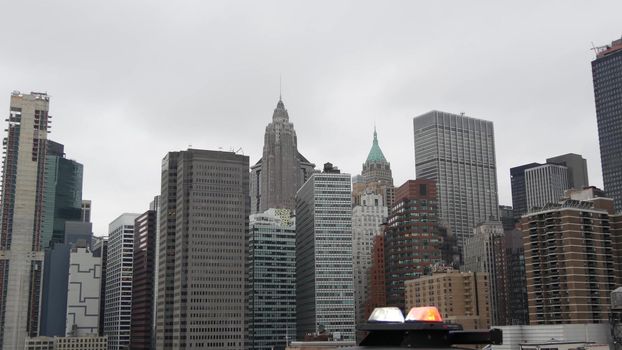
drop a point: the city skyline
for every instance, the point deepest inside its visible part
(110, 99)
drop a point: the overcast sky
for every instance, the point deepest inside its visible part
(132, 80)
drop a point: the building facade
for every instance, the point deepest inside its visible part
(484, 253)
(143, 281)
(324, 278)
(99, 247)
(607, 77)
(84, 279)
(367, 220)
(458, 152)
(516, 306)
(119, 271)
(461, 297)
(23, 178)
(271, 280)
(545, 184)
(377, 294)
(577, 169)
(412, 239)
(281, 171)
(86, 210)
(519, 190)
(205, 204)
(570, 261)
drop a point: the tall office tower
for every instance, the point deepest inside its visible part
(143, 281)
(281, 171)
(412, 241)
(86, 210)
(205, 204)
(506, 216)
(570, 260)
(271, 280)
(459, 153)
(324, 280)
(577, 169)
(22, 210)
(607, 75)
(484, 252)
(545, 184)
(166, 252)
(83, 292)
(375, 177)
(99, 247)
(119, 266)
(367, 219)
(461, 297)
(519, 191)
(516, 308)
(62, 194)
(56, 279)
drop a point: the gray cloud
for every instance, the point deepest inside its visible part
(132, 80)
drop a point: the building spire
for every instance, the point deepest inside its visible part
(280, 88)
(375, 153)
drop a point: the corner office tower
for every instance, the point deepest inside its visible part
(282, 170)
(21, 258)
(459, 153)
(607, 75)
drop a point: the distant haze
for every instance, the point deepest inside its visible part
(132, 80)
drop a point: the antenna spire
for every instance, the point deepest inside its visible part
(280, 87)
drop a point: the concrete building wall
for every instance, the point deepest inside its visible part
(461, 297)
(21, 261)
(545, 184)
(515, 335)
(83, 289)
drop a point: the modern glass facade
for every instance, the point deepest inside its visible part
(324, 278)
(63, 198)
(271, 280)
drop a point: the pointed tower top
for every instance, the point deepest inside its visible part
(280, 113)
(375, 153)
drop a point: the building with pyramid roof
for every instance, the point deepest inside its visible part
(282, 170)
(376, 176)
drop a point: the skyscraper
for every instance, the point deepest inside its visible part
(271, 280)
(143, 281)
(412, 239)
(458, 152)
(324, 281)
(281, 171)
(119, 271)
(21, 258)
(607, 75)
(205, 206)
(63, 194)
(83, 292)
(376, 176)
(545, 184)
(367, 219)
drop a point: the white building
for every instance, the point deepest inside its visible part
(367, 219)
(324, 278)
(83, 292)
(90, 342)
(117, 315)
(545, 184)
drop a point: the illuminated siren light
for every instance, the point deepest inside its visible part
(416, 314)
(422, 328)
